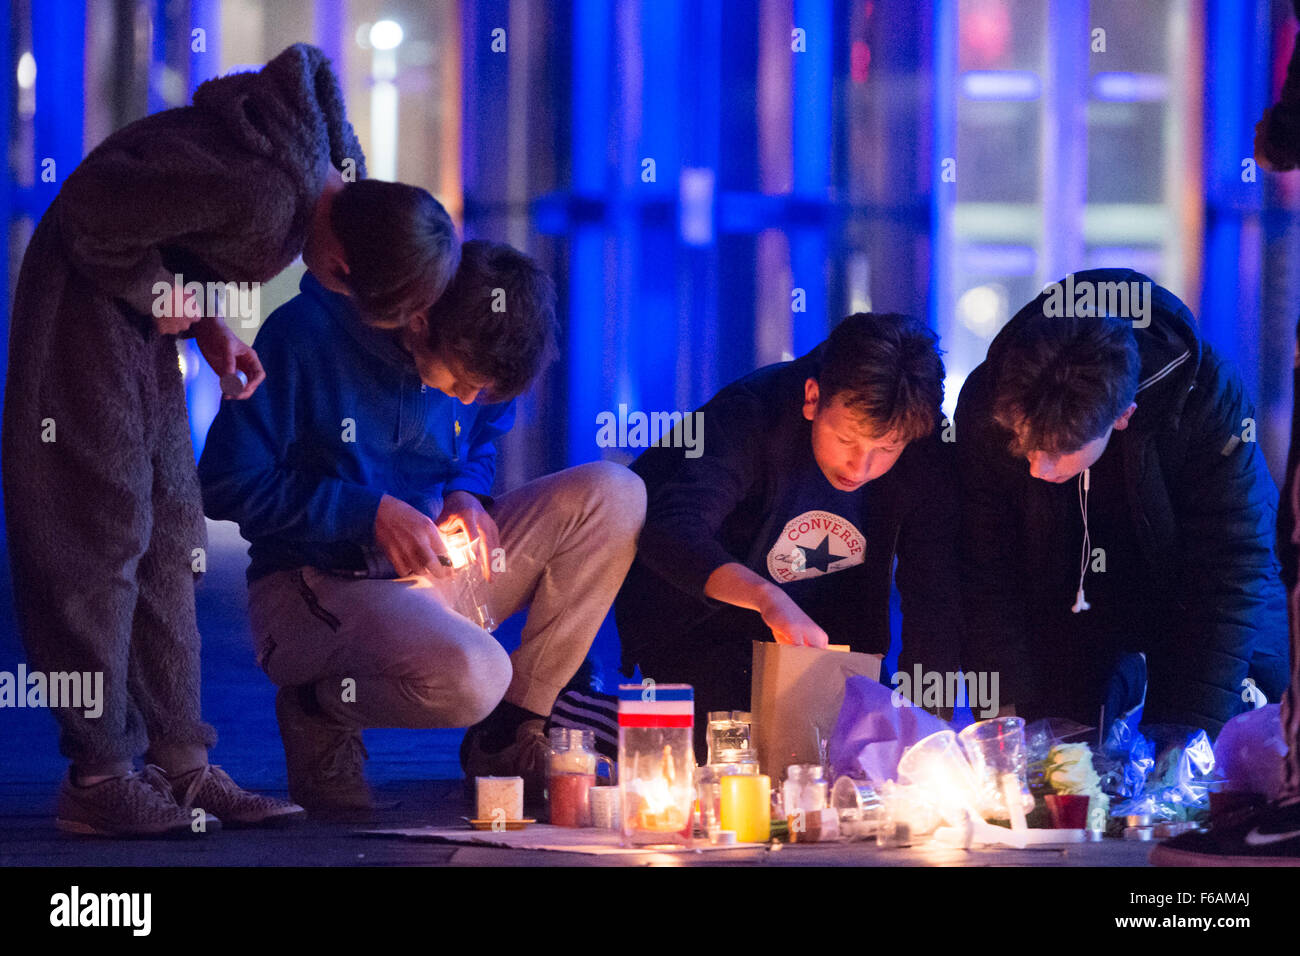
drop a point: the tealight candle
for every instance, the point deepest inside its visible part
(233, 383)
(746, 806)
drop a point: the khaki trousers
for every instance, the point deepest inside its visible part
(393, 653)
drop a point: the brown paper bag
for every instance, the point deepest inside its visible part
(797, 693)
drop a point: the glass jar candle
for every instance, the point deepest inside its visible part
(656, 762)
(805, 789)
(570, 775)
(729, 736)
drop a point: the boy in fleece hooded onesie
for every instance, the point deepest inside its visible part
(101, 495)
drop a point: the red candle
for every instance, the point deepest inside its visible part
(570, 800)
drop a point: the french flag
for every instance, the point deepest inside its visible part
(656, 705)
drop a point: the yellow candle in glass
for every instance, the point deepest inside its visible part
(747, 806)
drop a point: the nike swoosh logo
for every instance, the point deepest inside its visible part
(1255, 838)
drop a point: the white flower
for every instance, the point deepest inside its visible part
(1069, 769)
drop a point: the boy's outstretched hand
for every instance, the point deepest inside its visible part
(733, 583)
(227, 354)
(789, 624)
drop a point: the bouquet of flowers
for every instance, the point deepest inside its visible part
(1069, 772)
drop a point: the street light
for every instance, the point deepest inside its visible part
(385, 37)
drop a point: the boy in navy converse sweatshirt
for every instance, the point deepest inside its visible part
(816, 475)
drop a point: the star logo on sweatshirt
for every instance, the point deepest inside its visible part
(813, 544)
(821, 556)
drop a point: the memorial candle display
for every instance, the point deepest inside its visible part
(656, 762)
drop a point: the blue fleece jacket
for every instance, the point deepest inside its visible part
(341, 420)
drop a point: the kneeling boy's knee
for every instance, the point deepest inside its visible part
(483, 675)
(620, 491)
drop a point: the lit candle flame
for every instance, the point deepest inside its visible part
(660, 799)
(460, 546)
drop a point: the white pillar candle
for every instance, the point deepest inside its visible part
(500, 793)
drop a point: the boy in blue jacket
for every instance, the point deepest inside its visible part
(345, 472)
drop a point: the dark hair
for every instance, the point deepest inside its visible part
(400, 245)
(1061, 382)
(497, 317)
(886, 369)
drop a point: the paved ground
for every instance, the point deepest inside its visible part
(28, 839)
(416, 771)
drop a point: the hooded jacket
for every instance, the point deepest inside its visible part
(342, 420)
(1202, 504)
(222, 190)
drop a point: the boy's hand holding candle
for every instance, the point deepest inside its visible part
(461, 511)
(410, 540)
(227, 354)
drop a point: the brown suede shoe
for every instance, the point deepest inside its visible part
(526, 757)
(138, 804)
(325, 760)
(211, 788)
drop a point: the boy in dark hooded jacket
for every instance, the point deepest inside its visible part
(102, 500)
(1115, 502)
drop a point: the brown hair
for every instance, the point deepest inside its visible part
(886, 369)
(1061, 382)
(497, 317)
(400, 246)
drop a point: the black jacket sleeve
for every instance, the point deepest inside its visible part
(994, 594)
(680, 541)
(1230, 588)
(927, 575)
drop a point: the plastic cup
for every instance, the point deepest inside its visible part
(938, 767)
(1069, 810)
(996, 748)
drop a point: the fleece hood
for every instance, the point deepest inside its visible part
(290, 110)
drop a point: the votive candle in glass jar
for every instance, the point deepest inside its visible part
(656, 762)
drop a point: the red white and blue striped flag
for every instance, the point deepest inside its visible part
(656, 705)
